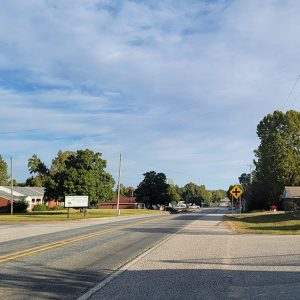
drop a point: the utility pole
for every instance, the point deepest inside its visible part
(119, 184)
(250, 166)
(11, 186)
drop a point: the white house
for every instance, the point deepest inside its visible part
(32, 195)
(291, 198)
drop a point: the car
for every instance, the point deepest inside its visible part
(171, 210)
(195, 206)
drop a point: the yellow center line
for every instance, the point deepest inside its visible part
(31, 251)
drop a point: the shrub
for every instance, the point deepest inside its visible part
(57, 207)
(40, 207)
(20, 206)
(291, 206)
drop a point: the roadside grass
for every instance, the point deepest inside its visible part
(61, 215)
(264, 223)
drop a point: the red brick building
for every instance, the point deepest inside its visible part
(129, 202)
(4, 204)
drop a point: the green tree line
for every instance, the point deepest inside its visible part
(83, 172)
(277, 160)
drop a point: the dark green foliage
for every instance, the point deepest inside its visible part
(277, 158)
(35, 181)
(58, 207)
(173, 194)
(79, 173)
(244, 180)
(36, 166)
(196, 194)
(153, 189)
(218, 195)
(20, 206)
(40, 207)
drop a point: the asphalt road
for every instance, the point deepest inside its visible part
(205, 260)
(66, 264)
(186, 256)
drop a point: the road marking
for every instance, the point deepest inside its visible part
(31, 251)
(125, 267)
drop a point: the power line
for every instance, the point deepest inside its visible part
(292, 104)
(291, 92)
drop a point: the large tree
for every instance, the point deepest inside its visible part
(79, 173)
(3, 171)
(173, 193)
(196, 194)
(277, 157)
(218, 195)
(40, 171)
(153, 189)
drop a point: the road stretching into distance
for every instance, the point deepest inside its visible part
(192, 256)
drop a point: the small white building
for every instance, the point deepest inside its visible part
(32, 195)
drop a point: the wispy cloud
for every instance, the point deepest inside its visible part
(177, 86)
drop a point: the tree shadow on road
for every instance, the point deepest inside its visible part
(201, 284)
(50, 283)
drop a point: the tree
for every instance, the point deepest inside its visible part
(79, 173)
(36, 166)
(244, 180)
(218, 195)
(173, 194)
(34, 181)
(3, 171)
(153, 189)
(125, 191)
(277, 157)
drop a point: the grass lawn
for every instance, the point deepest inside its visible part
(264, 222)
(61, 215)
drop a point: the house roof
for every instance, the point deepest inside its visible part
(4, 195)
(291, 192)
(24, 191)
(7, 196)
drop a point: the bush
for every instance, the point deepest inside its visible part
(40, 207)
(57, 207)
(20, 206)
(291, 206)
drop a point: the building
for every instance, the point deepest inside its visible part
(291, 198)
(129, 202)
(32, 195)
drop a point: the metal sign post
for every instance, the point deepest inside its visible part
(240, 204)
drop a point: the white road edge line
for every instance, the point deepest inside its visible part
(103, 283)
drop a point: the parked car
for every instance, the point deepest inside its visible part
(195, 206)
(172, 210)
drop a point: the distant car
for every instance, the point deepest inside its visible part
(195, 206)
(171, 210)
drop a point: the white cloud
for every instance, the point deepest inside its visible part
(176, 86)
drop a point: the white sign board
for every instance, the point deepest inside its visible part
(76, 201)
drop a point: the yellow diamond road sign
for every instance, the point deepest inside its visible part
(236, 192)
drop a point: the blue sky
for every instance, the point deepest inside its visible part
(176, 86)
